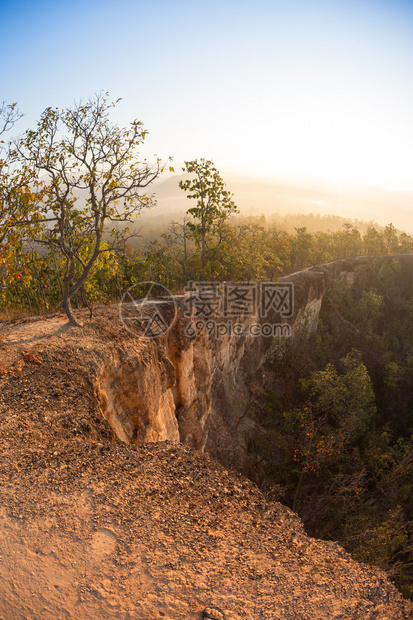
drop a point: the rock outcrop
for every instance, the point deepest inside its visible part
(197, 387)
(193, 386)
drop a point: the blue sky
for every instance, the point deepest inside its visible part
(318, 90)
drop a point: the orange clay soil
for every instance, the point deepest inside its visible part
(94, 529)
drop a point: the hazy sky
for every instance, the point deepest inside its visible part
(322, 90)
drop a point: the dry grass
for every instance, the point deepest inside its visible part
(13, 314)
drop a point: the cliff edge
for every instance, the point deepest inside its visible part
(96, 524)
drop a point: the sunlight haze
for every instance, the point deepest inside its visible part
(314, 92)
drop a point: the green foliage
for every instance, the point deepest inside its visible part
(347, 400)
(369, 310)
(373, 241)
(339, 450)
(214, 203)
(17, 192)
(378, 542)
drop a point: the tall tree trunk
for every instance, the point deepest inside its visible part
(69, 313)
(28, 300)
(185, 252)
(68, 278)
(67, 294)
(203, 244)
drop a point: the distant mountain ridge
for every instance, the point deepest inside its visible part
(254, 197)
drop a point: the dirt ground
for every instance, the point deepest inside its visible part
(94, 529)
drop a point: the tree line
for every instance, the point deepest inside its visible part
(32, 277)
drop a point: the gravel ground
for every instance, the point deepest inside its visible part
(95, 529)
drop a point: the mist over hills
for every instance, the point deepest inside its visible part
(255, 197)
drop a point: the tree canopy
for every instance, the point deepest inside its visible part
(15, 191)
(214, 203)
(89, 173)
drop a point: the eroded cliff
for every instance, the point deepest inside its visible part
(197, 387)
(93, 527)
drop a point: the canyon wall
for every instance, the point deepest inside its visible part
(194, 386)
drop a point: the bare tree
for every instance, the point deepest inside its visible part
(9, 115)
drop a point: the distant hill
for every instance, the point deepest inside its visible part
(254, 197)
